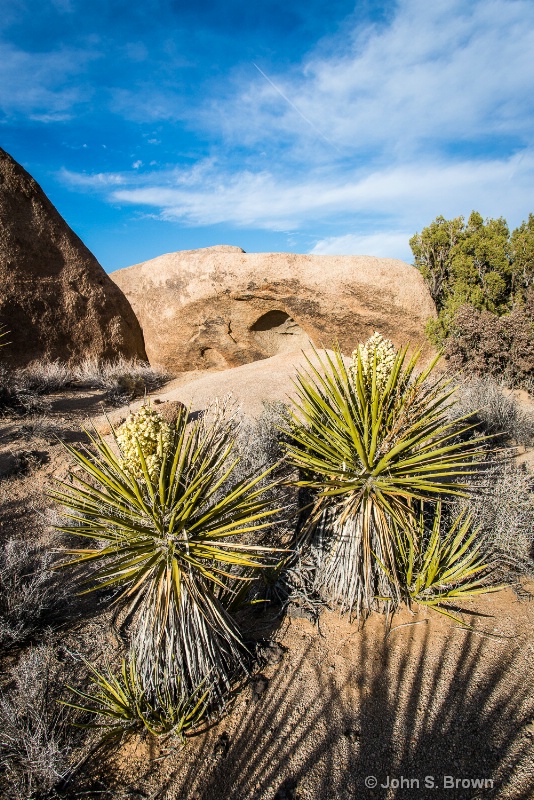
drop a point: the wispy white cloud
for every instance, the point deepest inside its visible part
(429, 113)
(398, 194)
(98, 181)
(438, 72)
(384, 244)
(43, 86)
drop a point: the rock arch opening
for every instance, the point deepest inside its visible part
(276, 332)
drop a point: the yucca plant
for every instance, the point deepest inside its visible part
(372, 439)
(121, 704)
(177, 535)
(440, 566)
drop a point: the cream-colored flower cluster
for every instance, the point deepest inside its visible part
(385, 359)
(154, 436)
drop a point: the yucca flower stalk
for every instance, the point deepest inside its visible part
(179, 542)
(372, 443)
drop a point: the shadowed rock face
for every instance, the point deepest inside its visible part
(220, 307)
(55, 298)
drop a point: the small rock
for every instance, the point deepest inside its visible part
(8, 464)
(259, 686)
(287, 791)
(170, 411)
(270, 653)
(221, 746)
(298, 612)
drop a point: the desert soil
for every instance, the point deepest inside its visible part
(415, 705)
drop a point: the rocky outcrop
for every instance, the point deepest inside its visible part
(55, 299)
(220, 307)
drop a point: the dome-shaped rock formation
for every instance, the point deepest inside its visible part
(216, 308)
(55, 299)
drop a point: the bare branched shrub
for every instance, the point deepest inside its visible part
(495, 410)
(123, 378)
(502, 505)
(35, 738)
(30, 591)
(259, 446)
(16, 397)
(491, 345)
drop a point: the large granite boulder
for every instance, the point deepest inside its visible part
(55, 299)
(220, 307)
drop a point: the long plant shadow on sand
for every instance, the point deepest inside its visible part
(419, 710)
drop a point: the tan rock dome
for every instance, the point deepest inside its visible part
(55, 298)
(220, 307)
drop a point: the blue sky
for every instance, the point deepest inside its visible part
(317, 127)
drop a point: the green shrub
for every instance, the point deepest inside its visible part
(481, 279)
(475, 263)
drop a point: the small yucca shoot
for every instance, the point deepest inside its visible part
(371, 438)
(179, 539)
(122, 704)
(438, 567)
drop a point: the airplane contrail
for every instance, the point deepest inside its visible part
(294, 107)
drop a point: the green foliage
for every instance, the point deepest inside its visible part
(478, 264)
(122, 704)
(173, 542)
(369, 450)
(482, 281)
(438, 567)
(523, 255)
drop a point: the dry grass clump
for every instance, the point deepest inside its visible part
(260, 446)
(44, 377)
(122, 378)
(36, 740)
(21, 390)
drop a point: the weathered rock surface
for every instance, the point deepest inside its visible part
(220, 307)
(250, 385)
(55, 299)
